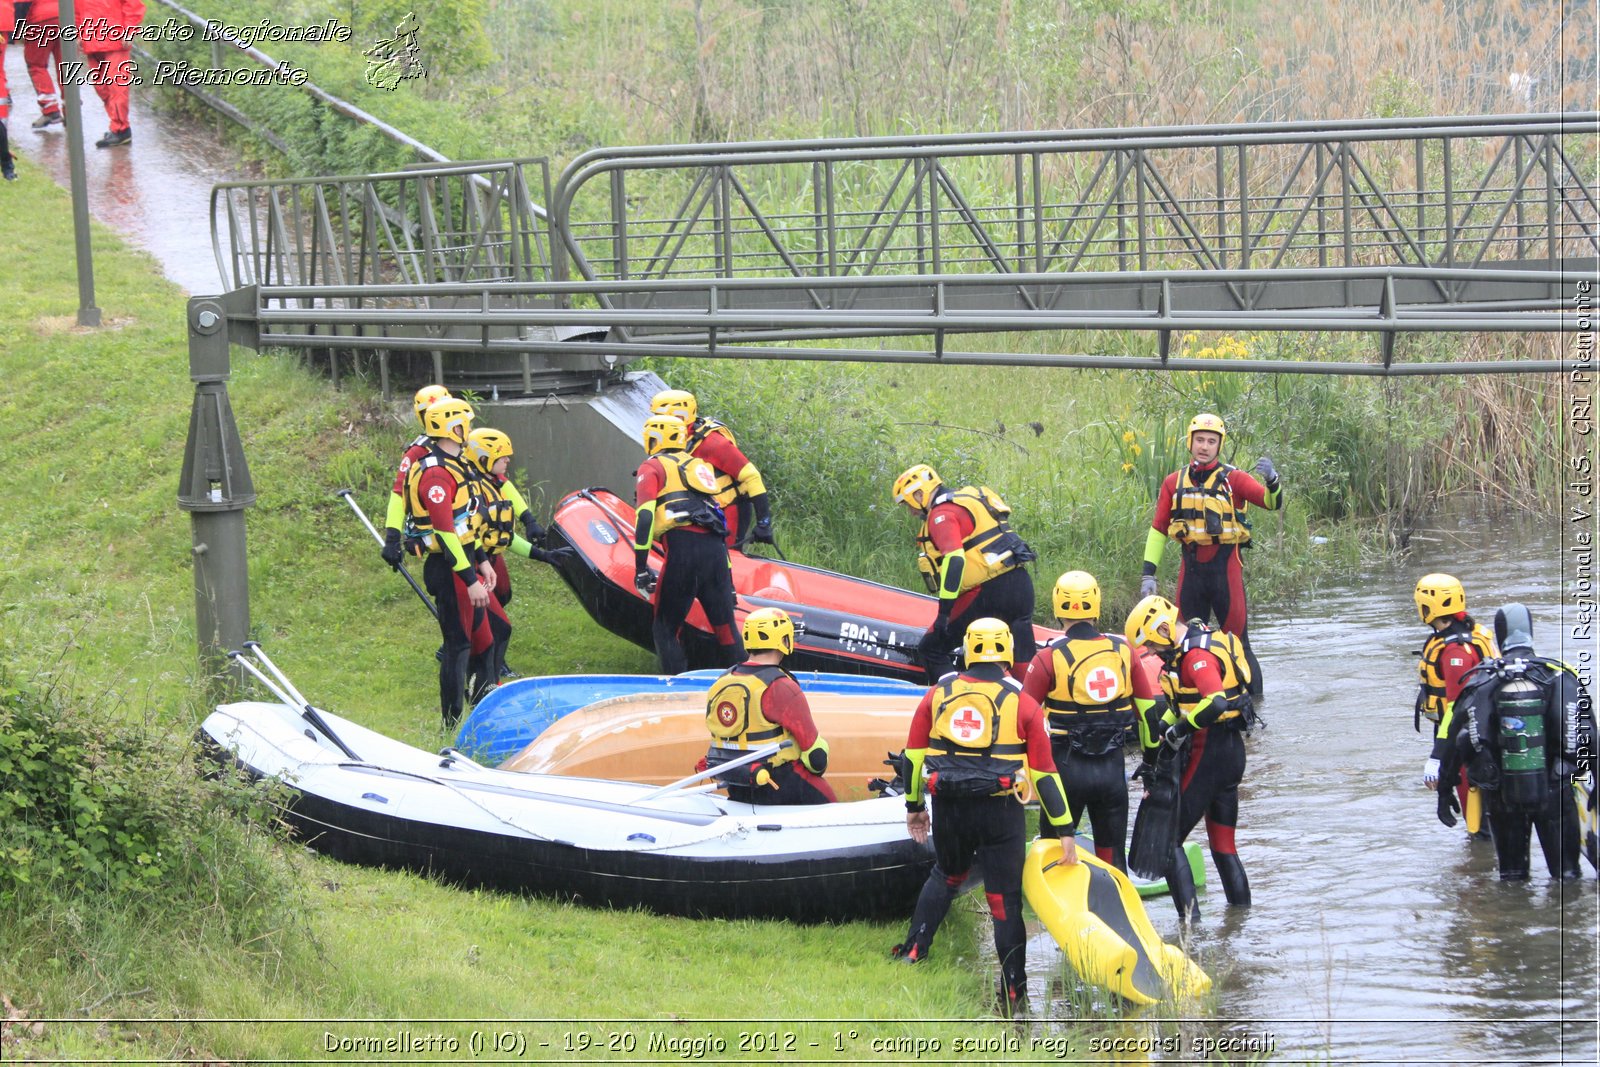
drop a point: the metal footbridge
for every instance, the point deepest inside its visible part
(488, 276)
(1475, 224)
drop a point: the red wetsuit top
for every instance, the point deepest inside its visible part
(647, 486)
(785, 705)
(718, 449)
(436, 488)
(414, 451)
(949, 526)
(1145, 676)
(1030, 727)
(1201, 670)
(1454, 662)
(1244, 488)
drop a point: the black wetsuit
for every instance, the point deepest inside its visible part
(1568, 733)
(696, 568)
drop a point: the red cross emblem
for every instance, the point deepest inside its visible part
(967, 722)
(727, 714)
(1101, 683)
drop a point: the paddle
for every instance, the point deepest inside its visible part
(307, 712)
(749, 757)
(349, 498)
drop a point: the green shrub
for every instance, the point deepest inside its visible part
(98, 804)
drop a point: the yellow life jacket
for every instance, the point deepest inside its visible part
(975, 747)
(734, 719)
(1431, 694)
(727, 489)
(1203, 512)
(990, 550)
(1235, 673)
(465, 506)
(498, 524)
(1091, 701)
(687, 496)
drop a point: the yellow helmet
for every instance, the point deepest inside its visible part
(1205, 421)
(769, 628)
(988, 641)
(664, 433)
(1439, 596)
(1147, 620)
(916, 486)
(1076, 596)
(449, 417)
(677, 402)
(488, 447)
(427, 395)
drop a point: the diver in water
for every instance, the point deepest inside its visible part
(1525, 732)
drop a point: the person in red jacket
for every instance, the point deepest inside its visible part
(675, 504)
(1202, 507)
(740, 490)
(8, 21)
(757, 704)
(106, 30)
(40, 46)
(976, 738)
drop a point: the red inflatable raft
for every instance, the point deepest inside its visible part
(843, 624)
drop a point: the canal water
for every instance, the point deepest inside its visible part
(1378, 935)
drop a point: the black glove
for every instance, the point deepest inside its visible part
(531, 528)
(1147, 586)
(391, 551)
(761, 532)
(1449, 806)
(645, 582)
(1175, 735)
(1269, 473)
(556, 557)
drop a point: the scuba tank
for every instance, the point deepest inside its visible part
(1524, 768)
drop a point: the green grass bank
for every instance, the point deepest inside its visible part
(139, 894)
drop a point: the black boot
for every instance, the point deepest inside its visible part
(1231, 873)
(8, 169)
(1180, 882)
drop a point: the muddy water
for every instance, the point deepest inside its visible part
(155, 192)
(1377, 934)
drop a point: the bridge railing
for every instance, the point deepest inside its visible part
(1478, 191)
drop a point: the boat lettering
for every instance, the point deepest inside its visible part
(602, 532)
(851, 631)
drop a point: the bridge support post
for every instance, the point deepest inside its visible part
(215, 487)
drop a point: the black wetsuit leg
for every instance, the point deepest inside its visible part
(1211, 778)
(696, 568)
(439, 579)
(1007, 597)
(1557, 826)
(1097, 785)
(1215, 590)
(1512, 829)
(992, 831)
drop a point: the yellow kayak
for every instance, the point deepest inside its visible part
(1097, 918)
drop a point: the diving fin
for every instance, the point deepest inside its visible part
(1155, 827)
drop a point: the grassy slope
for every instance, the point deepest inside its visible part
(95, 586)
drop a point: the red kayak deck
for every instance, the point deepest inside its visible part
(842, 623)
